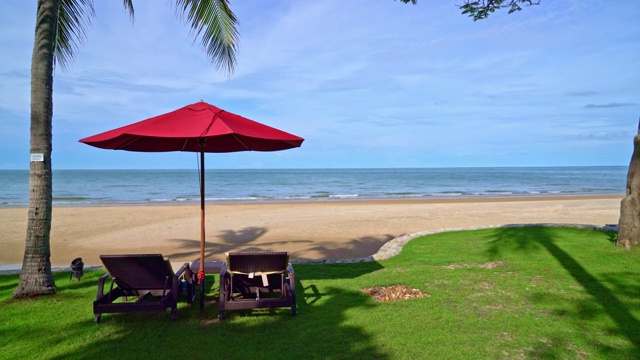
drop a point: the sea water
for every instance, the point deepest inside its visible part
(136, 187)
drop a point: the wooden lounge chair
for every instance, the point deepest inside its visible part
(252, 280)
(147, 277)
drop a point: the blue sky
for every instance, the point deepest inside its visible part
(366, 83)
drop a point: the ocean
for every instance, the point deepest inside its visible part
(140, 187)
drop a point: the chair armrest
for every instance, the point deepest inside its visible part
(224, 281)
(292, 278)
(223, 270)
(185, 273)
(189, 275)
(182, 269)
(101, 285)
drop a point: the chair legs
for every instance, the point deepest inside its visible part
(292, 295)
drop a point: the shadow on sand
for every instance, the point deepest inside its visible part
(245, 240)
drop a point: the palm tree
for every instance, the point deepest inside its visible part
(60, 26)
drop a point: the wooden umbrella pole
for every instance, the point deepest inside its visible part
(201, 275)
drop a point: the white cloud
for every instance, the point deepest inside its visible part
(366, 83)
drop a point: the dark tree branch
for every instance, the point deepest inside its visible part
(481, 9)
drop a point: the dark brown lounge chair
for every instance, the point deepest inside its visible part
(252, 280)
(149, 277)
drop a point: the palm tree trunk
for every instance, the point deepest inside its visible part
(36, 277)
(629, 224)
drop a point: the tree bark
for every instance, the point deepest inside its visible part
(36, 277)
(629, 224)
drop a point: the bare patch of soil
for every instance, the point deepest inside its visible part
(489, 265)
(393, 293)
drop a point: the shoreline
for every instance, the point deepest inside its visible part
(309, 230)
(331, 200)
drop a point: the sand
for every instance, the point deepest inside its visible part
(308, 230)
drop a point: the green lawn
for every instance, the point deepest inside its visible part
(508, 293)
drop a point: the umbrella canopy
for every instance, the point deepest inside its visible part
(199, 127)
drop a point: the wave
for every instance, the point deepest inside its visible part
(136, 187)
(71, 198)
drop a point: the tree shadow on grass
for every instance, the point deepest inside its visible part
(334, 271)
(88, 281)
(61, 279)
(320, 331)
(9, 282)
(307, 292)
(603, 299)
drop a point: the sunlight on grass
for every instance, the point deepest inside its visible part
(507, 293)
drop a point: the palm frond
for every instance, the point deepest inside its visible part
(216, 25)
(74, 18)
(128, 6)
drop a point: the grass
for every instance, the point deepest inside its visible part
(509, 293)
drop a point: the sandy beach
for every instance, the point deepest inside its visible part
(308, 230)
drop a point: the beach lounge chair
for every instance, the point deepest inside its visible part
(147, 278)
(252, 280)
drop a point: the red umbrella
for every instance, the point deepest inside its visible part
(199, 127)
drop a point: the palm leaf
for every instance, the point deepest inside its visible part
(213, 22)
(74, 18)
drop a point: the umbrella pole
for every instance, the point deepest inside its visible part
(201, 275)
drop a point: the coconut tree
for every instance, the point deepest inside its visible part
(60, 27)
